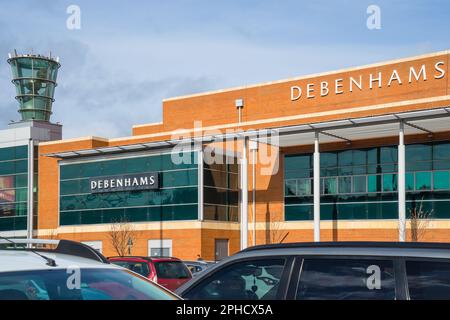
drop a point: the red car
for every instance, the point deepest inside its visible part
(167, 271)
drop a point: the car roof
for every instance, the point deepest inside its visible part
(25, 260)
(353, 244)
(200, 263)
(401, 249)
(140, 258)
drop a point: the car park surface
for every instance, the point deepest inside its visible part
(329, 270)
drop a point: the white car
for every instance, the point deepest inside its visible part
(68, 270)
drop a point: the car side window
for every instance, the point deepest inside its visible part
(428, 280)
(246, 280)
(346, 279)
(139, 267)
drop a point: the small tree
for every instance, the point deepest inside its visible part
(419, 221)
(122, 233)
(277, 234)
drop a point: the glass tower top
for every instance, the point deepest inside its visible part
(34, 77)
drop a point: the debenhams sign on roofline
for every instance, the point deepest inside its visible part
(378, 79)
(130, 182)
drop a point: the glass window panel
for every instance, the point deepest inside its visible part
(91, 169)
(21, 152)
(409, 181)
(345, 184)
(7, 167)
(246, 280)
(182, 195)
(389, 182)
(113, 167)
(346, 170)
(290, 188)
(441, 150)
(21, 195)
(70, 218)
(301, 173)
(136, 214)
(189, 177)
(7, 196)
(441, 180)
(137, 198)
(70, 171)
(328, 159)
(70, 187)
(21, 166)
(418, 152)
(359, 183)
(297, 162)
(180, 212)
(373, 156)
(388, 154)
(304, 187)
(21, 180)
(359, 170)
(441, 164)
(428, 280)
(423, 180)
(346, 279)
(330, 186)
(136, 165)
(299, 212)
(359, 157)
(345, 158)
(7, 182)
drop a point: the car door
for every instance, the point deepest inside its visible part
(246, 279)
(344, 278)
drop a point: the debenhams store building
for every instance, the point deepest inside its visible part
(355, 154)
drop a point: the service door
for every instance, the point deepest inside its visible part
(221, 249)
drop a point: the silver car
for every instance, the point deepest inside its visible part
(68, 270)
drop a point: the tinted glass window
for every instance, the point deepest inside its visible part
(346, 279)
(95, 284)
(428, 279)
(172, 270)
(138, 267)
(249, 280)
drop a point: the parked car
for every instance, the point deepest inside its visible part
(197, 266)
(333, 270)
(169, 272)
(67, 270)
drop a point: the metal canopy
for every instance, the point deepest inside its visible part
(347, 130)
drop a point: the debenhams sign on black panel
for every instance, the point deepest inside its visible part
(144, 181)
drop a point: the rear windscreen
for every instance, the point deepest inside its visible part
(172, 270)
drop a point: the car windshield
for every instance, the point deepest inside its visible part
(79, 284)
(172, 270)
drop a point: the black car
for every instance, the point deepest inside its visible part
(328, 270)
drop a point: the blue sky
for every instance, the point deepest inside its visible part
(129, 55)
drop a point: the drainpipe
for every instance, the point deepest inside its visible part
(253, 146)
(30, 202)
(244, 195)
